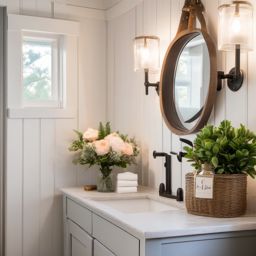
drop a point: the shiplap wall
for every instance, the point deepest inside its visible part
(131, 110)
(38, 161)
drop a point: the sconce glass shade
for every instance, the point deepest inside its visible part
(146, 53)
(235, 26)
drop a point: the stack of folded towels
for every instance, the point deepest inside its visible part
(127, 182)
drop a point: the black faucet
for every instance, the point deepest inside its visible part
(166, 191)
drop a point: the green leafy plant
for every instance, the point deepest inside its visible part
(229, 150)
(104, 148)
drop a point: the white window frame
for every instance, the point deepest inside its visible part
(64, 35)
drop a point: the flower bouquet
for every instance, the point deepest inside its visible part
(106, 149)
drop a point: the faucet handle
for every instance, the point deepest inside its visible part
(190, 143)
(179, 155)
(157, 154)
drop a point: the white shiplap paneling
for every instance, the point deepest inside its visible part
(47, 186)
(31, 186)
(14, 188)
(175, 139)
(38, 161)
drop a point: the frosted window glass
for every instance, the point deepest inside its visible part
(40, 76)
(37, 71)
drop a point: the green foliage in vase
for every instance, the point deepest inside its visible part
(104, 148)
(229, 150)
(104, 130)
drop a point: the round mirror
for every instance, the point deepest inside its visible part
(188, 83)
(192, 79)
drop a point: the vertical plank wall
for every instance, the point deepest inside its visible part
(130, 109)
(38, 162)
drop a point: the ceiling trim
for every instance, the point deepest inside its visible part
(92, 4)
(65, 11)
(110, 3)
(62, 7)
(121, 8)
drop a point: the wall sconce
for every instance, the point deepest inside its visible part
(235, 33)
(147, 57)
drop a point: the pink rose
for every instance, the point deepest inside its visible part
(127, 149)
(91, 134)
(111, 136)
(115, 142)
(101, 147)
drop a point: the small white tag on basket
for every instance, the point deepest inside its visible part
(204, 187)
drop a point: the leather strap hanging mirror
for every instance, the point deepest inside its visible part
(188, 83)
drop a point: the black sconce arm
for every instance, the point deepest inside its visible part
(148, 84)
(235, 77)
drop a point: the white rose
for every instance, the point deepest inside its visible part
(91, 134)
(115, 142)
(127, 149)
(101, 147)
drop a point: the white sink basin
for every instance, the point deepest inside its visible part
(137, 205)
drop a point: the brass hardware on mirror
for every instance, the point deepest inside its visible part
(188, 83)
(235, 33)
(147, 57)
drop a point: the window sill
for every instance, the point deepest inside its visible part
(30, 113)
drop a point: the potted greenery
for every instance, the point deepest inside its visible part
(106, 149)
(231, 154)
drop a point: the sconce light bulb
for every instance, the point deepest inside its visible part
(236, 24)
(144, 52)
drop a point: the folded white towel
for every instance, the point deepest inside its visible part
(126, 189)
(127, 183)
(127, 176)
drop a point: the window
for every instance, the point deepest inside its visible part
(42, 67)
(41, 70)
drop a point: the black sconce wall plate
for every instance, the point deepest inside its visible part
(148, 84)
(235, 77)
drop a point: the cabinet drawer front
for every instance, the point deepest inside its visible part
(79, 215)
(117, 240)
(237, 246)
(100, 250)
(80, 241)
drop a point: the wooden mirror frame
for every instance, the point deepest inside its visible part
(187, 30)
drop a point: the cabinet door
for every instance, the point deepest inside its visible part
(80, 243)
(100, 250)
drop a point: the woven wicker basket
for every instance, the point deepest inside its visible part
(229, 196)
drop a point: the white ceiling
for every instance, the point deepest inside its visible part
(95, 4)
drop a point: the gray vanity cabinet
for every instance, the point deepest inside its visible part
(78, 240)
(88, 234)
(80, 243)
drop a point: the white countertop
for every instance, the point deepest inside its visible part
(150, 225)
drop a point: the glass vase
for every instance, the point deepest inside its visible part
(105, 181)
